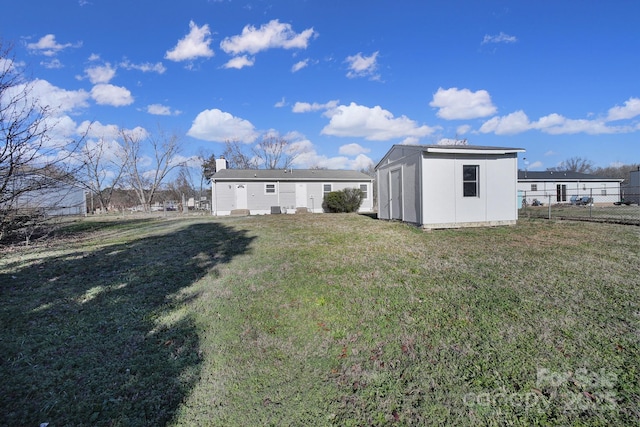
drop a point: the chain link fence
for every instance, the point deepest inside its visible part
(590, 205)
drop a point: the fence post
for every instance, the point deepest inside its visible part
(591, 198)
(549, 204)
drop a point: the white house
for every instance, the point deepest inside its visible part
(267, 191)
(559, 187)
(445, 186)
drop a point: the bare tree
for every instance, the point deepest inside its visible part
(574, 164)
(31, 157)
(620, 171)
(103, 169)
(145, 174)
(274, 152)
(236, 157)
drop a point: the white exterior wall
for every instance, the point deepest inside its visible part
(432, 188)
(444, 204)
(288, 196)
(402, 164)
(604, 192)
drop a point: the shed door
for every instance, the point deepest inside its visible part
(241, 196)
(395, 194)
(301, 195)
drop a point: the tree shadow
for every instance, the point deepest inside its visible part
(106, 337)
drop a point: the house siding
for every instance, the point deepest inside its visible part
(602, 192)
(260, 203)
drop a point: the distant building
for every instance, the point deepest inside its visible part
(560, 187)
(53, 198)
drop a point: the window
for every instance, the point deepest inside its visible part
(364, 188)
(603, 191)
(534, 187)
(269, 189)
(470, 181)
(326, 188)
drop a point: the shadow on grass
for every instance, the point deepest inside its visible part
(104, 337)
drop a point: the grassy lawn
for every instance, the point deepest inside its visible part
(321, 320)
(604, 213)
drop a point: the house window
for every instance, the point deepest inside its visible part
(364, 188)
(470, 181)
(534, 187)
(326, 188)
(603, 191)
(269, 189)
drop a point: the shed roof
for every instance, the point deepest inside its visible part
(458, 149)
(561, 176)
(289, 175)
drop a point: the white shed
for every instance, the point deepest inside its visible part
(267, 191)
(446, 186)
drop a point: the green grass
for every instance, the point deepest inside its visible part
(602, 213)
(321, 320)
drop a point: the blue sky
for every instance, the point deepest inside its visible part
(342, 80)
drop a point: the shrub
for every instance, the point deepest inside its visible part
(346, 200)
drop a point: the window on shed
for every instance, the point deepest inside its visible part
(470, 181)
(364, 188)
(270, 189)
(326, 188)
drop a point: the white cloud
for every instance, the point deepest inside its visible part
(374, 124)
(299, 65)
(239, 62)
(507, 125)
(57, 99)
(48, 46)
(499, 38)
(554, 124)
(352, 149)
(161, 110)
(309, 158)
(97, 130)
(54, 64)
(219, 126)
(193, 45)
(271, 35)
(630, 110)
(535, 165)
(281, 103)
(456, 104)
(305, 107)
(100, 73)
(463, 129)
(145, 67)
(362, 66)
(107, 94)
